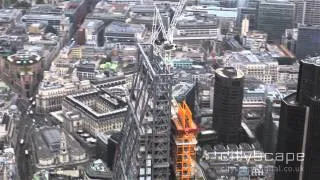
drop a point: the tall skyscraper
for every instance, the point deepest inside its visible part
(308, 12)
(308, 42)
(274, 17)
(299, 126)
(228, 96)
(144, 151)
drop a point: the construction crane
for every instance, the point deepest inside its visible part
(162, 36)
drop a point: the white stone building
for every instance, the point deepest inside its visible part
(263, 68)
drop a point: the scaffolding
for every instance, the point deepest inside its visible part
(144, 151)
(184, 141)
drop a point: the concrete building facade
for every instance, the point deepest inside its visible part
(95, 111)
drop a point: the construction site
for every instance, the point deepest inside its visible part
(158, 133)
(184, 133)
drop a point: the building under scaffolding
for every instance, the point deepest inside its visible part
(145, 146)
(184, 141)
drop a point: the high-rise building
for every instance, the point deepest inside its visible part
(244, 26)
(274, 17)
(250, 13)
(308, 42)
(299, 126)
(228, 97)
(144, 151)
(308, 12)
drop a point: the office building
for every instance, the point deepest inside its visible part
(250, 13)
(196, 28)
(95, 111)
(255, 40)
(274, 17)
(260, 67)
(308, 42)
(93, 30)
(308, 12)
(86, 71)
(109, 12)
(53, 89)
(228, 97)
(299, 125)
(119, 32)
(288, 73)
(60, 23)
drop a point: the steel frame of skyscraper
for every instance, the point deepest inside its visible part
(144, 151)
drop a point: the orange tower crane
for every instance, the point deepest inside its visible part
(184, 141)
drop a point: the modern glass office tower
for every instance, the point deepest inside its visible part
(275, 16)
(299, 130)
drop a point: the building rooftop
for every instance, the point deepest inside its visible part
(230, 72)
(47, 135)
(85, 67)
(278, 51)
(197, 23)
(45, 9)
(92, 25)
(257, 34)
(7, 15)
(52, 139)
(124, 28)
(247, 57)
(181, 89)
(116, 105)
(214, 10)
(104, 10)
(98, 170)
(42, 17)
(24, 57)
(312, 60)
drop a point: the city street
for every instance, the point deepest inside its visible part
(28, 123)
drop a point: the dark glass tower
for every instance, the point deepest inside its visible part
(228, 96)
(299, 129)
(274, 17)
(308, 42)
